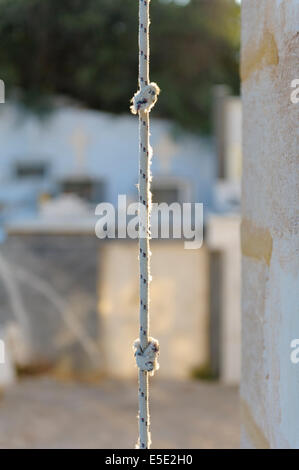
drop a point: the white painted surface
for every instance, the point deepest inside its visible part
(81, 142)
(179, 307)
(270, 381)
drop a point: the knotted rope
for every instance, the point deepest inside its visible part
(147, 360)
(145, 99)
(146, 348)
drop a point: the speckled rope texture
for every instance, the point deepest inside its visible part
(146, 348)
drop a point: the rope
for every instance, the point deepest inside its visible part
(146, 348)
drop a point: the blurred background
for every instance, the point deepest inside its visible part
(69, 301)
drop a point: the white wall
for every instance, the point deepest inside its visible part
(81, 141)
(270, 382)
(179, 306)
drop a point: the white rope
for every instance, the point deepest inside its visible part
(146, 348)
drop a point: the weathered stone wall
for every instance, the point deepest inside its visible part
(269, 233)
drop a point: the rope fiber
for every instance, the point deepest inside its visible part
(146, 349)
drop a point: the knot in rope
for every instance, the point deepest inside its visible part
(145, 99)
(147, 359)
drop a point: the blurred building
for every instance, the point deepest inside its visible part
(94, 155)
(74, 297)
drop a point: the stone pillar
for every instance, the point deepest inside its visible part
(223, 235)
(269, 231)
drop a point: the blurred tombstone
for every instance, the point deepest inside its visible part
(54, 261)
(179, 306)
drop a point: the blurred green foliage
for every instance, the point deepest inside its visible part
(87, 49)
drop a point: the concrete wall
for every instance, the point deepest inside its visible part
(270, 382)
(179, 306)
